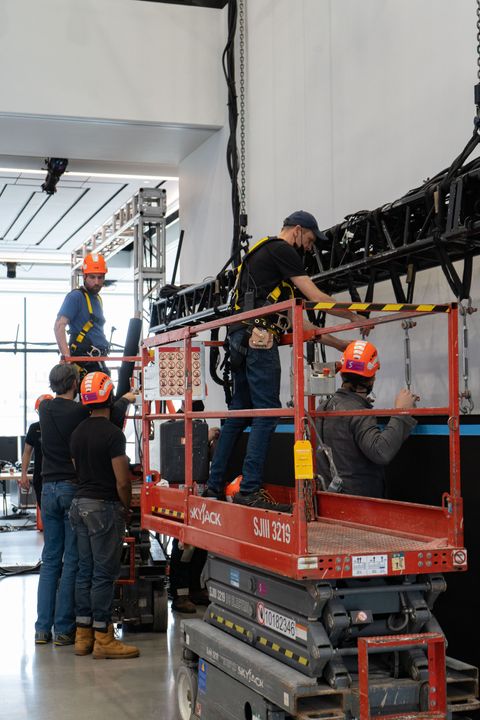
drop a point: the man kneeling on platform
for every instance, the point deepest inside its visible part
(360, 449)
(98, 513)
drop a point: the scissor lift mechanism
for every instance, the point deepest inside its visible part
(337, 554)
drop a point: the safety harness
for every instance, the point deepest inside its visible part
(81, 345)
(275, 323)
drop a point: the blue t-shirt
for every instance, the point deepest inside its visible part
(74, 307)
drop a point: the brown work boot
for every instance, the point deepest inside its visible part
(84, 641)
(183, 604)
(107, 647)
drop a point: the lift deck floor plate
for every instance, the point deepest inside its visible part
(328, 538)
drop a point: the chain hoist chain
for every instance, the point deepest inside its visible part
(242, 54)
(478, 39)
(466, 400)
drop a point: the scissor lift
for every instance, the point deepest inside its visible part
(310, 609)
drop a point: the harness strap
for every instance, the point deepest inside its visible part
(88, 325)
(273, 297)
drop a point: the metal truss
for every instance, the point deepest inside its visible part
(141, 221)
(431, 226)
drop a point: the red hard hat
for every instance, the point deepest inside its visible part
(41, 398)
(96, 388)
(360, 358)
(94, 264)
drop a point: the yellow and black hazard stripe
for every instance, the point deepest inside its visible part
(263, 641)
(378, 307)
(230, 624)
(177, 514)
(276, 647)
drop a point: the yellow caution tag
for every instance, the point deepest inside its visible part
(303, 460)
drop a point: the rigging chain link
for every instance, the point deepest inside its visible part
(242, 63)
(478, 39)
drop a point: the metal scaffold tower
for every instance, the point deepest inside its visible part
(141, 221)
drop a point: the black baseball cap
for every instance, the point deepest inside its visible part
(305, 220)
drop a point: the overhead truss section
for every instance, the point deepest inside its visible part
(141, 222)
(434, 225)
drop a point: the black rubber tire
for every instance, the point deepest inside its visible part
(160, 611)
(186, 685)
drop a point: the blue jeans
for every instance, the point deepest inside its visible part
(56, 586)
(256, 384)
(100, 528)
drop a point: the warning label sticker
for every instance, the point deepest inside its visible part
(398, 562)
(363, 565)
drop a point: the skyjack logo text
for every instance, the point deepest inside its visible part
(204, 516)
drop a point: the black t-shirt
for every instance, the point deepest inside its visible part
(273, 262)
(93, 445)
(58, 419)
(34, 439)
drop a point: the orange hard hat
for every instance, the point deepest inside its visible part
(41, 398)
(360, 358)
(96, 388)
(94, 264)
(233, 488)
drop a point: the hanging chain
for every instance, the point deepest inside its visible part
(242, 53)
(408, 325)
(477, 86)
(478, 40)
(466, 400)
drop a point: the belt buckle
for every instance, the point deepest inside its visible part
(94, 352)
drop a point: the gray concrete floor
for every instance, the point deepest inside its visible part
(49, 683)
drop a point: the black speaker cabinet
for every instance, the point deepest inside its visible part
(172, 451)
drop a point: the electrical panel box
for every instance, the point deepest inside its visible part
(320, 379)
(166, 378)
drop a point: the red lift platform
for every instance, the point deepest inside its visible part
(300, 601)
(328, 535)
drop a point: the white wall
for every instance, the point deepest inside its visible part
(114, 59)
(350, 105)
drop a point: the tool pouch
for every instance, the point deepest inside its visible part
(261, 339)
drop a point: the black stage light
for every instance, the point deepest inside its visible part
(55, 168)
(11, 270)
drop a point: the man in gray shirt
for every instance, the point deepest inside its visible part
(361, 449)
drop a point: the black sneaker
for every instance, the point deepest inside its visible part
(64, 639)
(262, 500)
(207, 493)
(43, 638)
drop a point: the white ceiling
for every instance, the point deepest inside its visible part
(108, 162)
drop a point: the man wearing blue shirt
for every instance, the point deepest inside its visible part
(82, 311)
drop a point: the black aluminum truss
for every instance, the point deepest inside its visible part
(431, 226)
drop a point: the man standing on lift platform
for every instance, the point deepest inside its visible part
(82, 311)
(270, 272)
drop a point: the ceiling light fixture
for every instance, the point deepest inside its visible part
(87, 173)
(21, 257)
